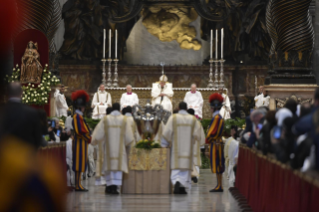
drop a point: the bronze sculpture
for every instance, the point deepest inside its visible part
(31, 68)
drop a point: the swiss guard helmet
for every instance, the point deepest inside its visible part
(216, 101)
(80, 98)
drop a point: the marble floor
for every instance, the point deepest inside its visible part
(198, 199)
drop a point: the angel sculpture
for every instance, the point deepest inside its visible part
(31, 68)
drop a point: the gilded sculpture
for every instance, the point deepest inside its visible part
(31, 68)
(172, 23)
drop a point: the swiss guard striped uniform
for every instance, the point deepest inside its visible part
(214, 138)
(81, 140)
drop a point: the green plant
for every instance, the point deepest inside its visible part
(233, 122)
(147, 144)
(205, 161)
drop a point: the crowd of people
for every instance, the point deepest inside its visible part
(290, 133)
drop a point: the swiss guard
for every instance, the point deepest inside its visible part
(214, 139)
(82, 136)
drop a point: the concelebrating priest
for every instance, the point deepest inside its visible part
(101, 101)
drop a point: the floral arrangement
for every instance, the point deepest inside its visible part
(36, 94)
(147, 144)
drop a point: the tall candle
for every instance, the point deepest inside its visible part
(216, 47)
(104, 37)
(211, 44)
(222, 44)
(110, 42)
(115, 43)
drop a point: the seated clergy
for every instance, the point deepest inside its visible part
(101, 101)
(180, 133)
(194, 100)
(61, 107)
(162, 92)
(113, 135)
(226, 109)
(259, 98)
(129, 98)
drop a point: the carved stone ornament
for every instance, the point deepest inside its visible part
(281, 102)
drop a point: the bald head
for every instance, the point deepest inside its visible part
(14, 90)
(193, 87)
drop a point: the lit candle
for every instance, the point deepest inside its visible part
(211, 44)
(216, 47)
(110, 42)
(104, 37)
(222, 44)
(115, 43)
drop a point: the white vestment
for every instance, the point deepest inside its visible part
(226, 109)
(129, 100)
(165, 101)
(197, 156)
(180, 133)
(195, 101)
(61, 107)
(101, 101)
(232, 154)
(259, 100)
(68, 123)
(266, 101)
(70, 173)
(137, 136)
(91, 163)
(114, 135)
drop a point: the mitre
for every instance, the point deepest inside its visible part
(163, 78)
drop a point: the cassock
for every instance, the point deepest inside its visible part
(137, 136)
(180, 134)
(195, 100)
(68, 123)
(101, 101)
(70, 172)
(129, 99)
(165, 101)
(226, 109)
(91, 163)
(197, 156)
(259, 100)
(113, 135)
(61, 107)
(214, 139)
(232, 156)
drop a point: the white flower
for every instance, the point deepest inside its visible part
(31, 94)
(16, 77)
(42, 88)
(26, 101)
(28, 97)
(32, 86)
(18, 69)
(48, 77)
(46, 101)
(48, 83)
(14, 69)
(45, 70)
(17, 65)
(29, 84)
(46, 65)
(35, 100)
(7, 75)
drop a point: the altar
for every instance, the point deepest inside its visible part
(149, 172)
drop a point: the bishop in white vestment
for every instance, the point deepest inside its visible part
(101, 101)
(61, 107)
(180, 134)
(226, 108)
(162, 93)
(129, 98)
(113, 135)
(259, 98)
(194, 100)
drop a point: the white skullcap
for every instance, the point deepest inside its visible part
(163, 78)
(282, 114)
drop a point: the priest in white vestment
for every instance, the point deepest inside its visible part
(180, 134)
(128, 113)
(162, 93)
(259, 98)
(129, 98)
(266, 99)
(226, 108)
(61, 107)
(113, 135)
(101, 101)
(194, 100)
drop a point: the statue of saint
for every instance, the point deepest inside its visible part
(31, 68)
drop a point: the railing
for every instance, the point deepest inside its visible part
(269, 185)
(55, 152)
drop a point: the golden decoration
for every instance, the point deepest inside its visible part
(172, 23)
(140, 159)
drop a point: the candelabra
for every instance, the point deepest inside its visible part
(103, 72)
(216, 73)
(221, 74)
(109, 73)
(210, 82)
(115, 81)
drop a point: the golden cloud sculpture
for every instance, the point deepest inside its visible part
(172, 23)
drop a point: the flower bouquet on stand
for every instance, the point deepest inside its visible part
(147, 143)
